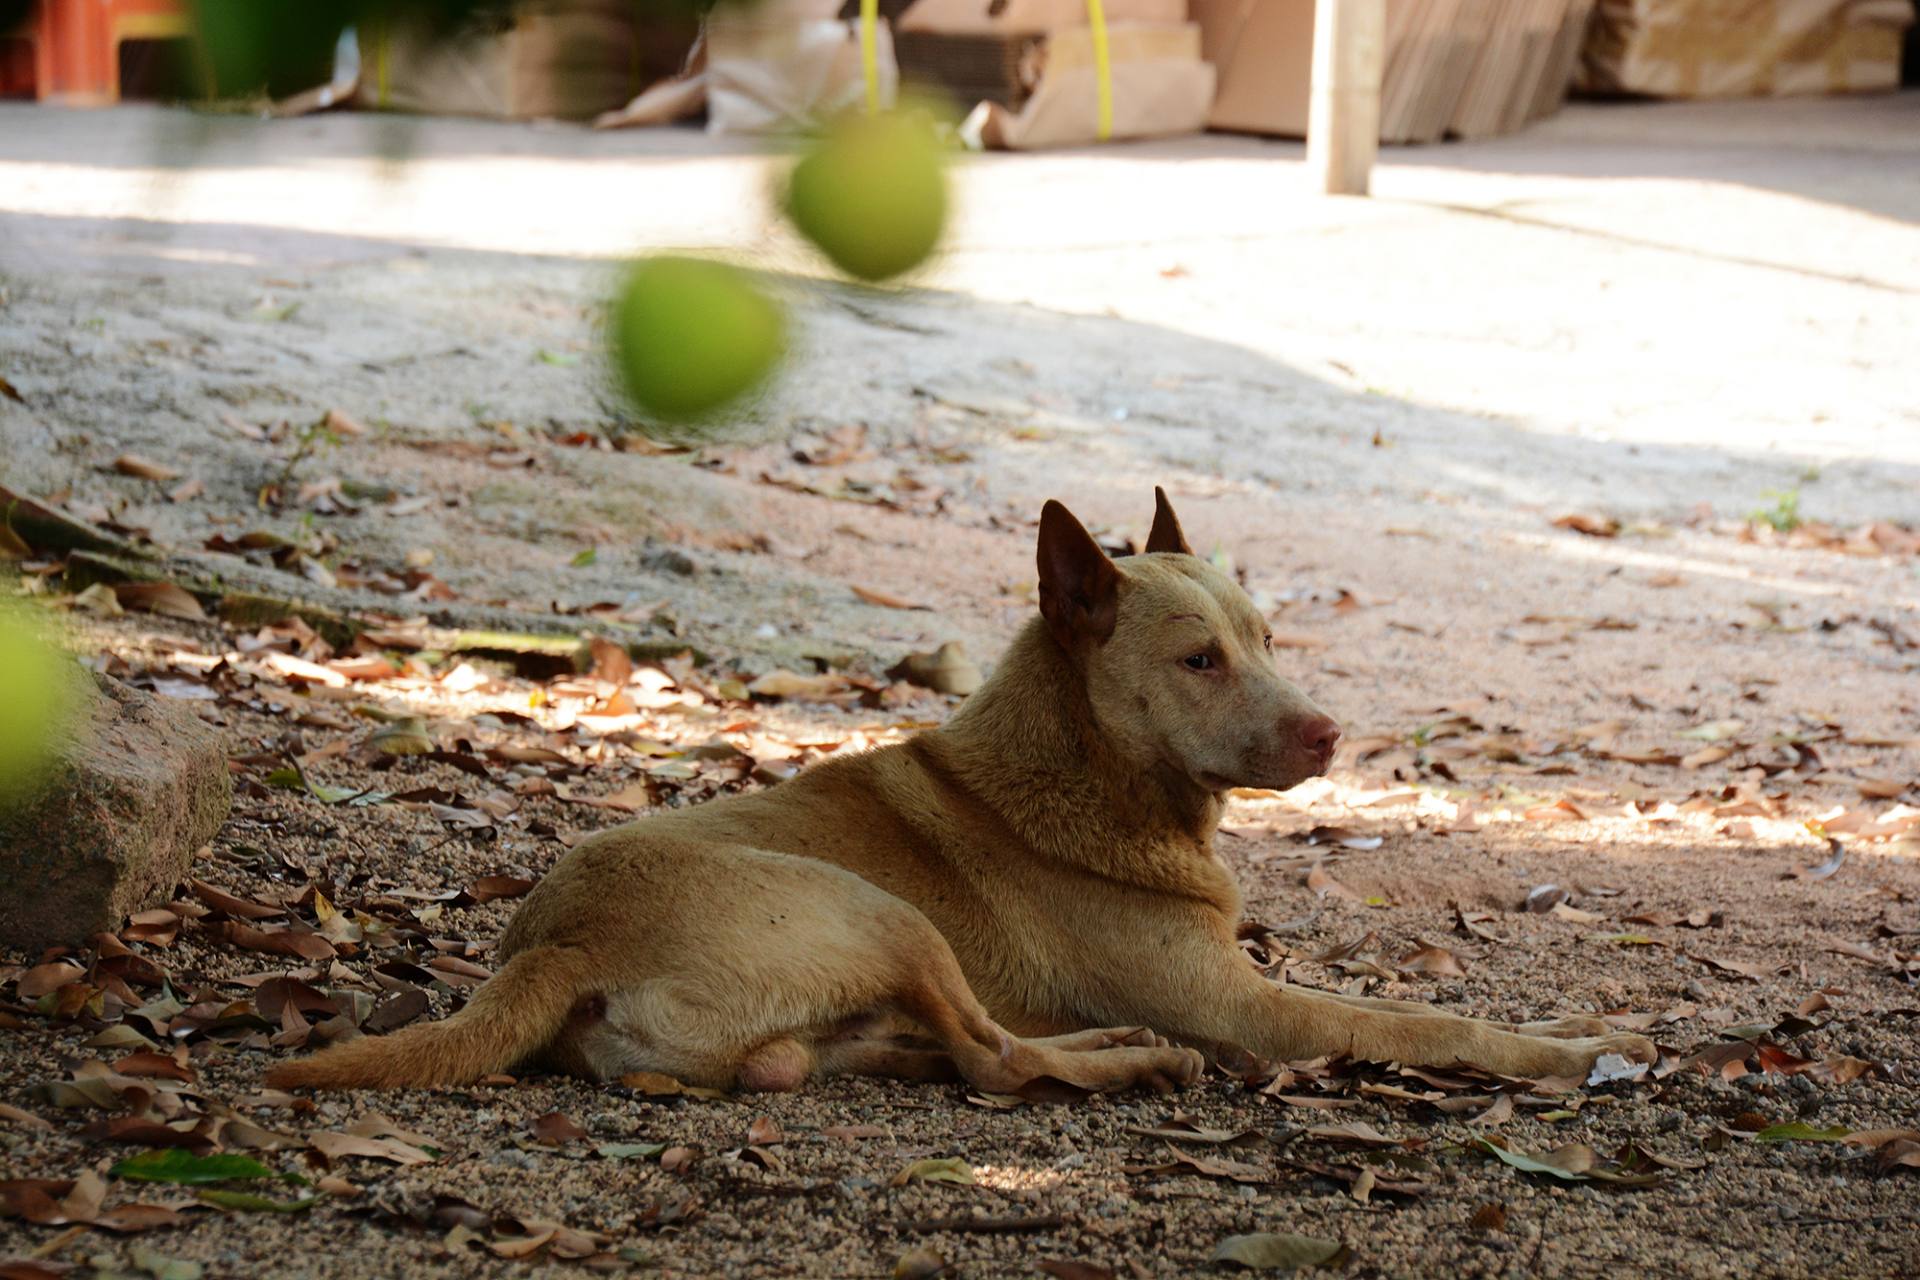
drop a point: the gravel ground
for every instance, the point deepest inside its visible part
(1649, 720)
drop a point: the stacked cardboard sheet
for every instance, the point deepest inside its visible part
(1745, 48)
(1467, 67)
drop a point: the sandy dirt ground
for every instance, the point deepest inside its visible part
(1499, 452)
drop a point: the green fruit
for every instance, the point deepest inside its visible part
(691, 336)
(37, 692)
(872, 194)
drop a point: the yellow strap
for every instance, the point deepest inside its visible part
(870, 52)
(1102, 68)
(381, 80)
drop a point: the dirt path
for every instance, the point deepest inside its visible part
(1375, 412)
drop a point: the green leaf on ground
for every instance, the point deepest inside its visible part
(177, 1165)
(290, 779)
(248, 1202)
(949, 1169)
(1801, 1131)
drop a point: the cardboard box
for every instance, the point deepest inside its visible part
(1262, 53)
(1161, 88)
(1744, 48)
(1468, 67)
(1030, 17)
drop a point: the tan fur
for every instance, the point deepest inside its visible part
(969, 902)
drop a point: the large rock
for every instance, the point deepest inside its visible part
(138, 785)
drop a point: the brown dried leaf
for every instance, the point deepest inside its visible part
(1322, 883)
(227, 904)
(132, 464)
(1431, 959)
(44, 979)
(488, 888)
(1751, 972)
(1359, 1133)
(163, 598)
(1593, 526)
(24, 1119)
(886, 601)
(291, 940)
(340, 1146)
(554, 1129)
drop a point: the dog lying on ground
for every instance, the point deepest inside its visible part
(1020, 893)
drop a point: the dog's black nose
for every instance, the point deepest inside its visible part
(1319, 735)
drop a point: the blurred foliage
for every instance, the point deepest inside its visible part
(692, 337)
(38, 691)
(278, 47)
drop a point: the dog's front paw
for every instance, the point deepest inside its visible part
(1181, 1068)
(1622, 1043)
(1631, 1047)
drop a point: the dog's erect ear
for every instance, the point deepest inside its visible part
(1079, 587)
(1166, 535)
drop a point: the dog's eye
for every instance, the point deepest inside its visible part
(1198, 662)
(1268, 639)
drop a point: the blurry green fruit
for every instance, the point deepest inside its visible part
(37, 692)
(872, 194)
(691, 336)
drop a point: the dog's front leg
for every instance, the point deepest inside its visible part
(1282, 1023)
(1568, 1027)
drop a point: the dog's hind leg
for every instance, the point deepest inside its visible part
(994, 1059)
(1103, 1038)
(892, 1061)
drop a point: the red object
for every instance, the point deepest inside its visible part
(76, 45)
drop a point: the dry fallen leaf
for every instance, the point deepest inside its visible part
(949, 1169)
(488, 888)
(920, 1263)
(1267, 1251)
(1326, 886)
(945, 670)
(884, 600)
(163, 598)
(1593, 526)
(1432, 959)
(339, 1146)
(554, 1129)
(132, 464)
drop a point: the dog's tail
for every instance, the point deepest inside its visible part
(515, 1013)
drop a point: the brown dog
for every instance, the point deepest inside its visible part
(970, 901)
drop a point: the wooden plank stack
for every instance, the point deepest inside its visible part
(1477, 68)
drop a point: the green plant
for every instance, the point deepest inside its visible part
(1784, 514)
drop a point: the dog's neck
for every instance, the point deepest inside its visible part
(1030, 745)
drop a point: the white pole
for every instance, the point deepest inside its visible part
(1343, 119)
